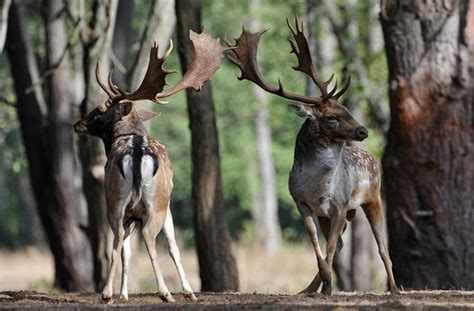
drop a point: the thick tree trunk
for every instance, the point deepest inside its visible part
(217, 265)
(428, 161)
(68, 243)
(122, 39)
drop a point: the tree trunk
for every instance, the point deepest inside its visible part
(70, 248)
(428, 160)
(91, 149)
(217, 265)
(122, 39)
(4, 8)
(265, 211)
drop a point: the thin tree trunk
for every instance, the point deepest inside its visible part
(428, 161)
(217, 265)
(68, 243)
(28, 211)
(91, 150)
(361, 254)
(266, 206)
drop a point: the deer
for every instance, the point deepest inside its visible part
(329, 178)
(138, 174)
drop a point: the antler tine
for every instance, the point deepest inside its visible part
(244, 55)
(169, 50)
(207, 57)
(344, 89)
(102, 85)
(112, 86)
(300, 47)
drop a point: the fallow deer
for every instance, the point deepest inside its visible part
(329, 179)
(138, 174)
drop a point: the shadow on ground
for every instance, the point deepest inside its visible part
(419, 300)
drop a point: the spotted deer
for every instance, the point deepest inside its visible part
(329, 179)
(138, 174)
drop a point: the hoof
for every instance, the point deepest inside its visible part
(394, 291)
(107, 299)
(327, 289)
(190, 296)
(123, 297)
(168, 297)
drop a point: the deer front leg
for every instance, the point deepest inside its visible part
(337, 226)
(307, 215)
(325, 224)
(175, 255)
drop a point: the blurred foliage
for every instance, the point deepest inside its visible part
(235, 110)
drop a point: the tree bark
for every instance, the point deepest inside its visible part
(428, 160)
(265, 211)
(217, 265)
(67, 242)
(4, 8)
(92, 154)
(122, 39)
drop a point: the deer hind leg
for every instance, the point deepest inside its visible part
(150, 231)
(175, 255)
(126, 254)
(325, 224)
(307, 215)
(118, 230)
(374, 214)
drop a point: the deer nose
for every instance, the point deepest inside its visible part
(362, 133)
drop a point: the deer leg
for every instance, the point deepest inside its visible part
(126, 254)
(116, 222)
(119, 233)
(150, 231)
(325, 224)
(175, 255)
(337, 226)
(307, 215)
(375, 217)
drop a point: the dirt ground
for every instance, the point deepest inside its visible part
(412, 300)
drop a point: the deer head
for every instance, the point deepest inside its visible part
(325, 114)
(119, 105)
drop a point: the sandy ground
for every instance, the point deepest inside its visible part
(413, 300)
(26, 276)
(286, 272)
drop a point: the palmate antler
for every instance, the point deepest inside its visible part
(244, 55)
(207, 57)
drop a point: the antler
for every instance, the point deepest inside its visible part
(244, 55)
(207, 57)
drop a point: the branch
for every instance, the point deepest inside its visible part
(158, 27)
(7, 102)
(4, 8)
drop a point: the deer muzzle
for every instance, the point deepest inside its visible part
(361, 133)
(80, 127)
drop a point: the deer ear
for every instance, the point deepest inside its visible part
(302, 111)
(126, 107)
(146, 114)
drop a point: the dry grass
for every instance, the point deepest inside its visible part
(286, 272)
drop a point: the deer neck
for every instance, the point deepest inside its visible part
(315, 149)
(129, 125)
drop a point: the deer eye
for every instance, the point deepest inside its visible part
(331, 118)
